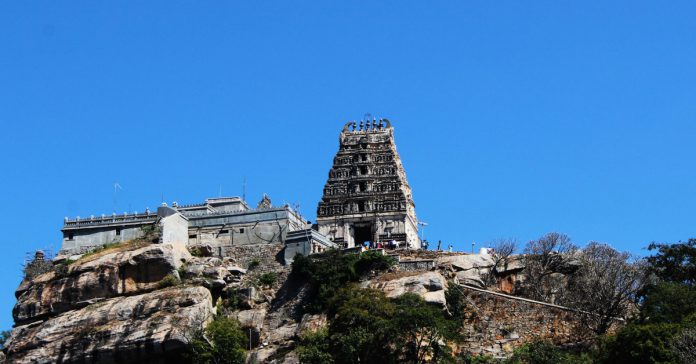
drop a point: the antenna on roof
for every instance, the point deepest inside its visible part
(117, 187)
(244, 190)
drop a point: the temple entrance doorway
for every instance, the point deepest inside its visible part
(363, 233)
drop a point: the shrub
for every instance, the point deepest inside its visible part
(640, 344)
(331, 271)
(230, 298)
(195, 251)
(168, 281)
(477, 359)
(3, 338)
(365, 326)
(541, 352)
(254, 263)
(222, 342)
(668, 303)
(684, 345)
(268, 279)
(314, 348)
(182, 270)
(61, 270)
(37, 266)
(372, 261)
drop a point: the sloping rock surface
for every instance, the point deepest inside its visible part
(429, 285)
(466, 261)
(110, 275)
(148, 328)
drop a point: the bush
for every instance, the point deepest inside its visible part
(541, 352)
(182, 270)
(372, 260)
(365, 326)
(331, 271)
(36, 267)
(639, 344)
(222, 342)
(684, 345)
(61, 270)
(314, 348)
(196, 251)
(477, 359)
(268, 279)
(668, 303)
(254, 263)
(230, 298)
(168, 281)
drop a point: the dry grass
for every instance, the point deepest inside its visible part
(394, 275)
(112, 248)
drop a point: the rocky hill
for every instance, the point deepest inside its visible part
(146, 302)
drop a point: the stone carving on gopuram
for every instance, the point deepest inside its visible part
(367, 197)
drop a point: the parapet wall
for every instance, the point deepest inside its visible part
(498, 323)
(269, 257)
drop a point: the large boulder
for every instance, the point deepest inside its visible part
(466, 261)
(429, 285)
(94, 278)
(252, 322)
(470, 277)
(151, 327)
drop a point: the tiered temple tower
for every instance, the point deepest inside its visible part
(367, 197)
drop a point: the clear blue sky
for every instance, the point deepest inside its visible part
(513, 119)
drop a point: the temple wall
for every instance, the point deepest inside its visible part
(267, 232)
(89, 239)
(174, 229)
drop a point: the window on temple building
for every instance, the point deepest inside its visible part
(241, 231)
(361, 206)
(118, 231)
(71, 236)
(224, 231)
(363, 170)
(194, 236)
(363, 186)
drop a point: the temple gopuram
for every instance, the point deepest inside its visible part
(367, 197)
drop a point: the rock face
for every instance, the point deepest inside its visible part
(109, 275)
(149, 327)
(113, 307)
(429, 285)
(503, 322)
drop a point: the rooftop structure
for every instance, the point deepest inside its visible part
(367, 197)
(220, 223)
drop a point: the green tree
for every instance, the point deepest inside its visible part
(360, 329)
(637, 344)
(674, 262)
(420, 330)
(314, 348)
(684, 346)
(328, 273)
(365, 326)
(668, 302)
(222, 342)
(541, 352)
